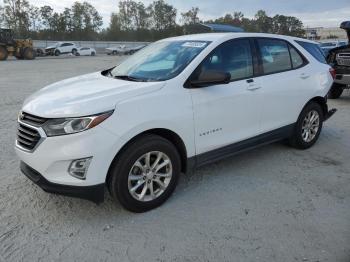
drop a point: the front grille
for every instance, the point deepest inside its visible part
(27, 137)
(31, 119)
(343, 59)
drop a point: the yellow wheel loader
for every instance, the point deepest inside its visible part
(20, 48)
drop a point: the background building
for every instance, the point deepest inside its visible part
(320, 33)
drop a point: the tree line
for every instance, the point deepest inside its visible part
(132, 21)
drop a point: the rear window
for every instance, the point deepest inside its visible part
(314, 50)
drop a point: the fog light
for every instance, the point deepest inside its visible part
(78, 168)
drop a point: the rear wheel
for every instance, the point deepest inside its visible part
(74, 51)
(308, 127)
(145, 174)
(28, 53)
(3, 53)
(336, 91)
(114, 52)
(93, 53)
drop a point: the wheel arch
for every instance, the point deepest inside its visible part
(168, 134)
(322, 101)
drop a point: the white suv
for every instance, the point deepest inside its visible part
(177, 104)
(61, 48)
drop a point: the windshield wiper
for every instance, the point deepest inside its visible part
(129, 78)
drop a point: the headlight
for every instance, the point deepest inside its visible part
(65, 126)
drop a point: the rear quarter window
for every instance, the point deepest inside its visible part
(314, 50)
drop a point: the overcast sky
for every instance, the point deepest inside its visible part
(325, 13)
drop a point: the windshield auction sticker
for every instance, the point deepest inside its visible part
(194, 44)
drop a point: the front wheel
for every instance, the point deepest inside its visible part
(57, 52)
(308, 127)
(145, 174)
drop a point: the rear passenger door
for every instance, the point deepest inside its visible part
(284, 80)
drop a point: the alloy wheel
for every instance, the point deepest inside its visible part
(310, 126)
(150, 176)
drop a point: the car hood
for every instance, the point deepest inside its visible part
(51, 47)
(84, 95)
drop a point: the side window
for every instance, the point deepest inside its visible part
(233, 57)
(297, 59)
(314, 50)
(275, 55)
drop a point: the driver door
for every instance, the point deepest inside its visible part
(227, 113)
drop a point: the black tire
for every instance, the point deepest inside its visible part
(74, 51)
(119, 172)
(336, 91)
(3, 53)
(39, 52)
(57, 52)
(296, 140)
(77, 54)
(93, 54)
(114, 53)
(28, 53)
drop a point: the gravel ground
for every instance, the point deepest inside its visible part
(270, 204)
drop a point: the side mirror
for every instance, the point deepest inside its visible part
(211, 77)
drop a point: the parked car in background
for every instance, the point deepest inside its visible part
(177, 104)
(123, 49)
(40, 52)
(61, 48)
(85, 51)
(339, 59)
(329, 45)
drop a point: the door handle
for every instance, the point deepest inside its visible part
(304, 76)
(251, 85)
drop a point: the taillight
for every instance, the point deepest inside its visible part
(332, 72)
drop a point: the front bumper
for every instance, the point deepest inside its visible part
(49, 51)
(53, 156)
(93, 193)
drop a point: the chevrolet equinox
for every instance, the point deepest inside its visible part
(175, 105)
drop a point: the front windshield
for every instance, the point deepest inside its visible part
(159, 61)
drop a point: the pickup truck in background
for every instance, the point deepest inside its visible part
(339, 59)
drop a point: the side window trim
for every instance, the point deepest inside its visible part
(255, 57)
(261, 69)
(251, 45)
